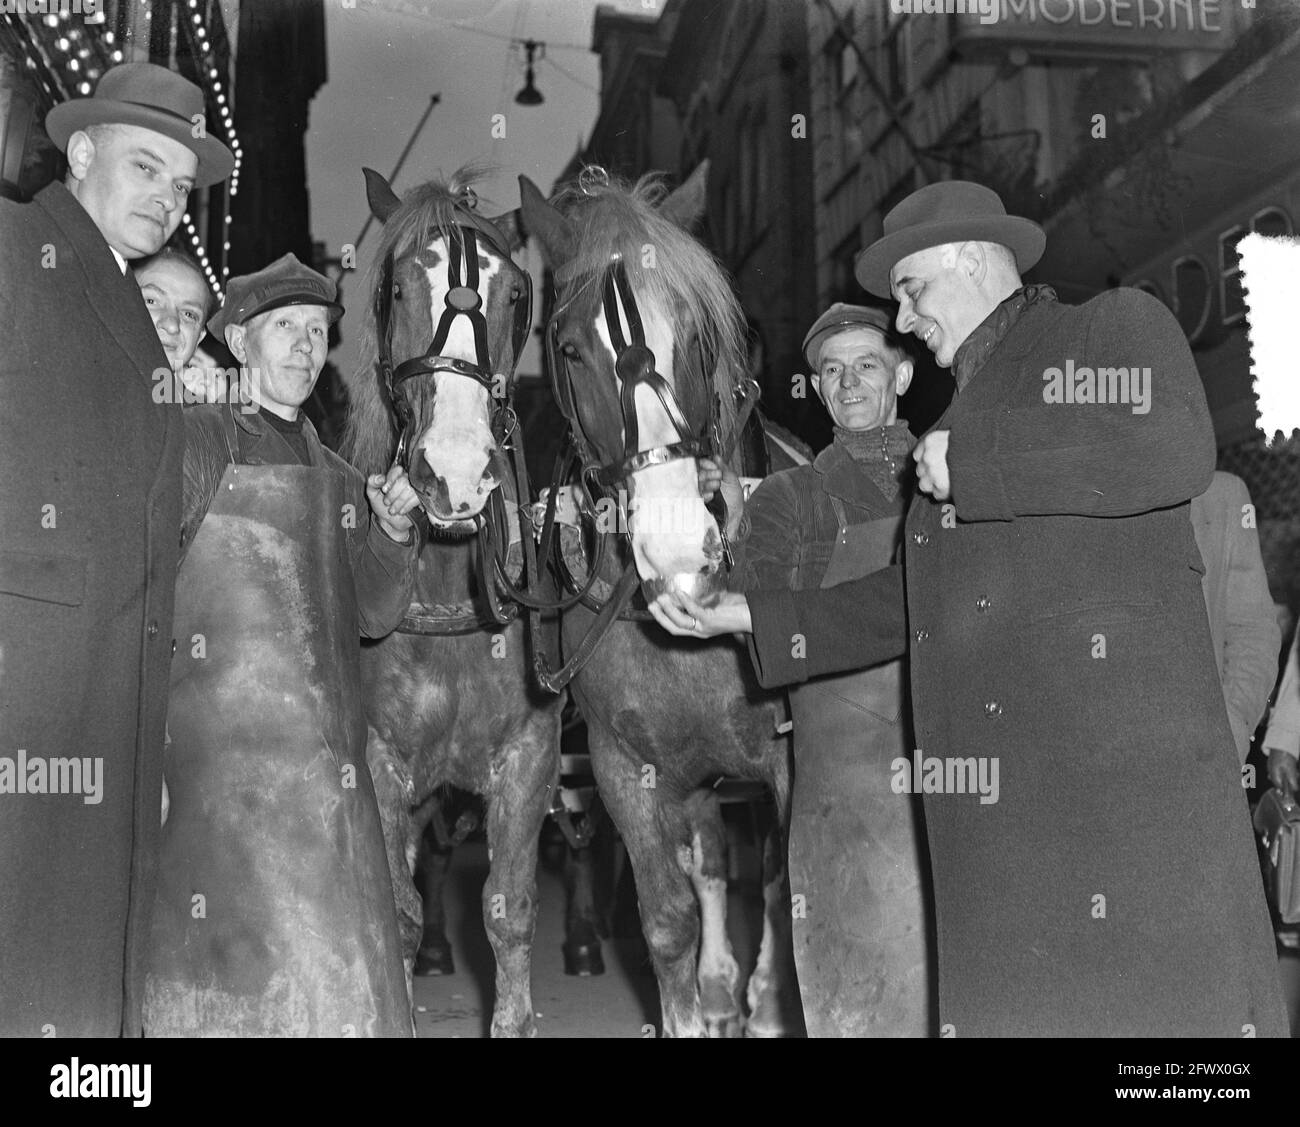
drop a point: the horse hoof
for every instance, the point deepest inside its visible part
(724, 1026)
(434, 961)
(761, 1027)
(584, 960)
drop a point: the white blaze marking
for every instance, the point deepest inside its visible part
(669, 522)
(458, 442)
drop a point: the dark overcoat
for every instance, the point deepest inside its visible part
(90, 488)
(1057, 631)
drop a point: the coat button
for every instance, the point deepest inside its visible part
(920, 538)
(992, 708)
(983, 603)
(153, 630)
(921, 635)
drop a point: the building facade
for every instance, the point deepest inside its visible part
(1145, 137)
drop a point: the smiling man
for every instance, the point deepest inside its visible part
(290, 556)
(177, 297)
(1055, 625)
(855, 857)
(90, 506)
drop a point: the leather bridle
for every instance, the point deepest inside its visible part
(462, 300)
(635, 365)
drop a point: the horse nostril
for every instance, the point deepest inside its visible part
(420, 474)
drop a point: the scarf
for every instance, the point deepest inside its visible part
(978, 347)
(881, 453)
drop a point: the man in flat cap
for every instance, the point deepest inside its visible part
(290, 556)
(855, 858)
(90, 507)
(1056, 628)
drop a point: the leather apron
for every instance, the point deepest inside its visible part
(856, 847)
(274, 914)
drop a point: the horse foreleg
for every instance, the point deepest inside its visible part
(773, 1008)
(582, 954)
(718, 972)
(657, 836)
(434, 956)
(517, 802)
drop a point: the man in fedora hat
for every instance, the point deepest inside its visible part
(90, 509)
(1056, 627)
(290, 556)
(855, 857)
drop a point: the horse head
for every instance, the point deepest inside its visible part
(646, 343)
(449, 317)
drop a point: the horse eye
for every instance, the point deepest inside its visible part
(515, 294)
(571, 353)
(397, 291)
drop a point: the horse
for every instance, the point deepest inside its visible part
(449, 698)
(665, 716)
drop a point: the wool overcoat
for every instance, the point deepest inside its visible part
(90, 490)
(1057, 633)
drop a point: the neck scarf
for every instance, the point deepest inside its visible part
(880, 452)
(978, 347)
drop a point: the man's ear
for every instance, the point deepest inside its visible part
(235, 342)
(973, 261)
(815, 379)
(81, 151)
(903, 376)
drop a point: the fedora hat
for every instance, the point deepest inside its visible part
(952, 211)
(151, 97)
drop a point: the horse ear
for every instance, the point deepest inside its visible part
(380, 196)
(512, 229)
(540, 218)
(685, 206)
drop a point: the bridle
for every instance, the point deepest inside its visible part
(462, 300)
(635, 365)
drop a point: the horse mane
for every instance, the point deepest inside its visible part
(617, 218)
(427, 211)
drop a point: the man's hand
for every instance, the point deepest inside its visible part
(931, 456)
(679, 614)
(391, 498)
(1282, 772)
(713, 477)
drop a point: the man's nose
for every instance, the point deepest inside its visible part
(905, 318)
(851, 377)
(165, 194)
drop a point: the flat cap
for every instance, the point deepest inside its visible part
(839, 317)
(285, 282)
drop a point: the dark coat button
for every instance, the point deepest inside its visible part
(992, 708)
(921, 635)
(153, 630)
(983, 603)
(920, 538)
